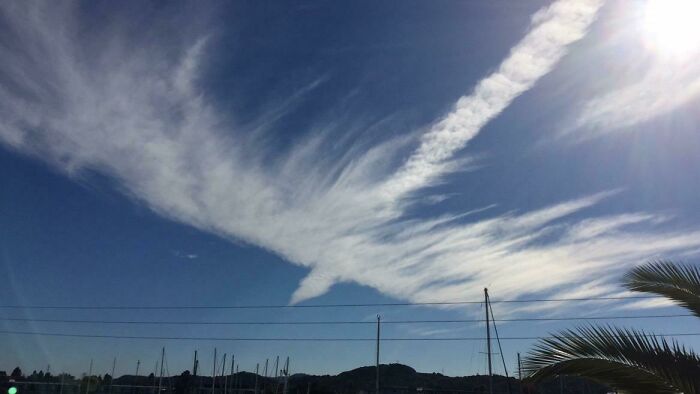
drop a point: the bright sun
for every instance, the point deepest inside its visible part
(673, 26)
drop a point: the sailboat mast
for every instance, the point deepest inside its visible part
(488, 339)
(160, 379)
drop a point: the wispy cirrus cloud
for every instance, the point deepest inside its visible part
(663, 89)
(138, 116)
(648, 72)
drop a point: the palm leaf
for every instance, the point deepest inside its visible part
(629, 360)
(611, 373)
(680, 283)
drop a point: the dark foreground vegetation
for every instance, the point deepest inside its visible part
(396, 379)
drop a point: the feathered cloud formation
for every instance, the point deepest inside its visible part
(661, 90)
(137, 115)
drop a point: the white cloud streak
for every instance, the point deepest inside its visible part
(664, 88)
(552, 29)
(138, 116)
(645, 77)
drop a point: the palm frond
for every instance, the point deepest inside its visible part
(678, 282)
(611, 373)
(629, 360)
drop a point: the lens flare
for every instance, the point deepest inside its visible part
(673, 26)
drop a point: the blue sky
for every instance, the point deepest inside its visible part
(322, 152)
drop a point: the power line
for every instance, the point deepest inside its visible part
(284, 339)
(336, 322)
(381, 304)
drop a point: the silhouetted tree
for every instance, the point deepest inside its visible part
(16, 373)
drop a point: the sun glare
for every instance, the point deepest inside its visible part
(673, 26)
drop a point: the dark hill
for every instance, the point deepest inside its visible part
(394, 379)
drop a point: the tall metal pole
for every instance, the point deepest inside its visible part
(265, 375)
(89, 377)
(520, 374)
(223, 373)
(286, 377)
(257, 369)
(238, 379)
(277, 364)
(213, 373)
(138, 364)
(111, 381)
(160, 379)
(155, 372)
(233, 360)
(376, 383)
(488, 339)
(194, 364)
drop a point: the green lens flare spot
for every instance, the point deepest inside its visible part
(12, 390)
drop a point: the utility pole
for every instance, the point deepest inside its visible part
(160, 379)
(213, 373)
(376, 383)
(488, 339)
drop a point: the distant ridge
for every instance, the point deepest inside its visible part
(394, 379)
